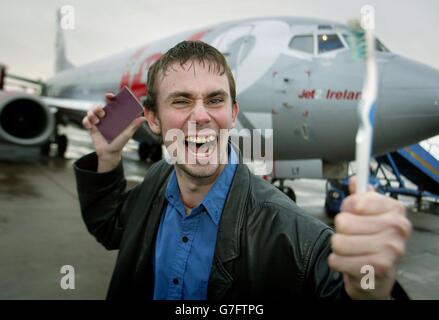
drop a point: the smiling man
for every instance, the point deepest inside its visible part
(209, 228)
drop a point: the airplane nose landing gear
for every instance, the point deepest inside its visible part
(61, 142)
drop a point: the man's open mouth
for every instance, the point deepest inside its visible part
(201, 146)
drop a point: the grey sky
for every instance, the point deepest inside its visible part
(27, 28)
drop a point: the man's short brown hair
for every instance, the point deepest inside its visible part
(181, 53)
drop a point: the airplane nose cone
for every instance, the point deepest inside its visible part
(408, 103)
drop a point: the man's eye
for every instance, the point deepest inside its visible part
(216, 100)
(179, 102)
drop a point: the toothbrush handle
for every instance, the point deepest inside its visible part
(366, 115)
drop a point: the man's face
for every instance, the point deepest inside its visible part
(196, 101)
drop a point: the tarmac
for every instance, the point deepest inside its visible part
(41, 228)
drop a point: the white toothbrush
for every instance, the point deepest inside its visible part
(367, 105)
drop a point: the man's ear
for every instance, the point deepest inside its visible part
(235, 111)
(153, 121)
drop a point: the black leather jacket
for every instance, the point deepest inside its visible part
(267, 247)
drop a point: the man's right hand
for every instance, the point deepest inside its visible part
(109, 154)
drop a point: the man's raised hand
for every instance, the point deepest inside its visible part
(109, 154)
(371, 230)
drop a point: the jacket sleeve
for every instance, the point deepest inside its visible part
(103, 200)
(328, 284)
(321, 281)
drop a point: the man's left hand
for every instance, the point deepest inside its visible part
(371, 230)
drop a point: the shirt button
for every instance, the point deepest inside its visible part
(175, 281)
(185, 239)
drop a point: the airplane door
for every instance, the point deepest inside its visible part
(290, 78)
(292, 71)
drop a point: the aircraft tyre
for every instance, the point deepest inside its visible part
(45, 149)
(61, 143)
(156, 153)
(152, 153)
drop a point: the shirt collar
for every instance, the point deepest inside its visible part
(215, 198)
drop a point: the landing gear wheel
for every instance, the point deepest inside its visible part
(61, 142)
(143, 151)
(156, 153)
(45, 149)
(152, 153)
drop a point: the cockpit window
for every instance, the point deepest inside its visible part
(379, 46)
(329, 42)
(304, 43)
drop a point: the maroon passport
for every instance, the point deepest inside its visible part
(119, 113)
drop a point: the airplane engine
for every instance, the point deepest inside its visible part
(25, 120)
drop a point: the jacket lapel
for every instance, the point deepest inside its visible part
(228, 239)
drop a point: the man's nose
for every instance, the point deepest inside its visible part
(200, 114)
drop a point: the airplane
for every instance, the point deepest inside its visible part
(294, 75)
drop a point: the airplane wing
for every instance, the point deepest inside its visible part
(70, 110)
(71, 104)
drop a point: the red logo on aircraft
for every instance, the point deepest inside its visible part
(135, 74)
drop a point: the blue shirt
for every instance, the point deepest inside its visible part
(185, 244)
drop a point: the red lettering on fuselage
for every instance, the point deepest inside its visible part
(307, 94)
(126, 76)
(137, 82)
(343, 95)
(138, 85)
